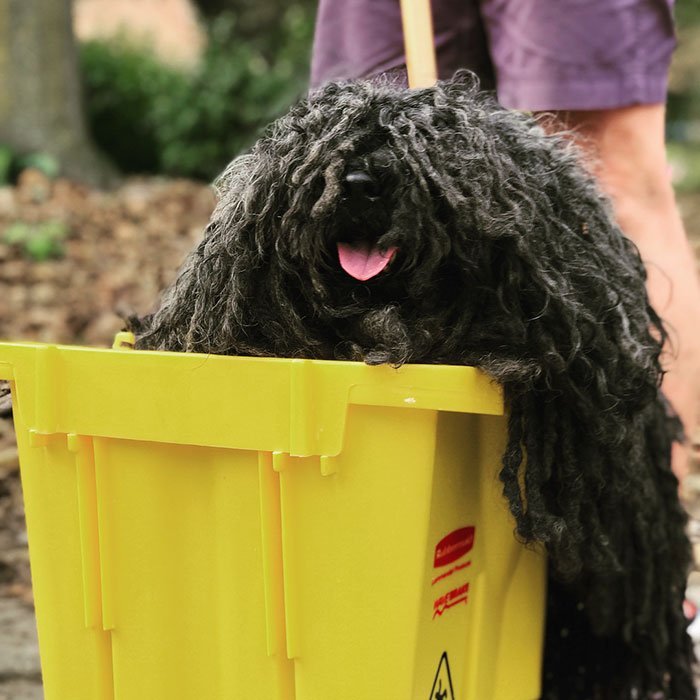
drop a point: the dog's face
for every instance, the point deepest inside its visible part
(388, 225)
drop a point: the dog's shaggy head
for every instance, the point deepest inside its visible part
(389, 225)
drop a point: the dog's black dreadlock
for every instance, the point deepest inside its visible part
(504, 255)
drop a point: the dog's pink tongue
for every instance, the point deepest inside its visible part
(362, 261)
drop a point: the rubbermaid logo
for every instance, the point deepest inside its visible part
(454, 546)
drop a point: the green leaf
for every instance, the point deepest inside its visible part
(52, 230)
(44, 162)
(41, 248)
(17, 233)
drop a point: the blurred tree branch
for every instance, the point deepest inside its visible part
(40, 90)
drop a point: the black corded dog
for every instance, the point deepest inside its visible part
(389, 225)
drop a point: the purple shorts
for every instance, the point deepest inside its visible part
(537, 54)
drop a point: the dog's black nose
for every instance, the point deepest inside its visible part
(361, 184)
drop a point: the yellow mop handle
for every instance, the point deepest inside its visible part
(418, 39)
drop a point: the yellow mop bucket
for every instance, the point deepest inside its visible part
(228, 528)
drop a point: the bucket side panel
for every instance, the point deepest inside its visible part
(513, 588)
(75, 657)
(452, 561)
(183, 572)
(482, 617)
(504, 646)
(353, 544)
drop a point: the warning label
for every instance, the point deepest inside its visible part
(442, 685)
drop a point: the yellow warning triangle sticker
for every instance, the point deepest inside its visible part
(442, 685)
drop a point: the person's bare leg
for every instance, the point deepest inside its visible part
(628, 155)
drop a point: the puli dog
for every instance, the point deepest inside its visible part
(388, 225)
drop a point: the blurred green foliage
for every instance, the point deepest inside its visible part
(40, 241)
(152, 118)
(684, 90)
(126, 90)
(12, 163)
(256, 20)
(683, 107)
(685, 163)
(43, 162)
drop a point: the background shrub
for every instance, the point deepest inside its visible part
(152, 118)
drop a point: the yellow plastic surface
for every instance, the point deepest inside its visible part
(221, 528)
